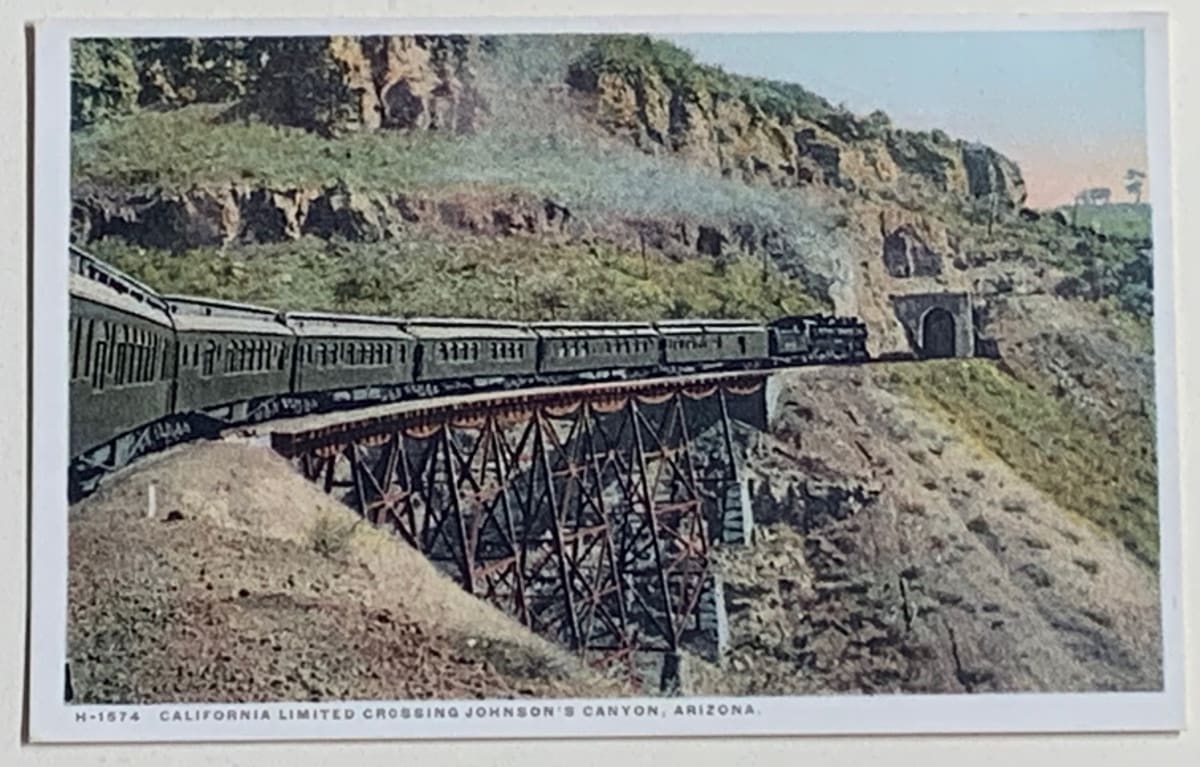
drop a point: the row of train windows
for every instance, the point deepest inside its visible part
(577, 348)
(468, 351)
(353, 353)
(704, 342)
(112, 354)
(251, 355)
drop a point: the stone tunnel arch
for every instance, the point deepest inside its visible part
(938, 333)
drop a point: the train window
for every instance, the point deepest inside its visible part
(210, 356)
(443, 352)
(119, 373)
(520, 351)
(76, 333)
(87, 349)
(130, 338)
(135, 356)
(474, 350)
(99, 361)
(387, 354)
(143, 355)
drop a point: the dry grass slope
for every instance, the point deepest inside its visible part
(1106, 478)
(251, 585)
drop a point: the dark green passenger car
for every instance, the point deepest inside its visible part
(121, 355)
(347, 354)
(473, 351)
(616, 349)
(232, 357)
(706, 344)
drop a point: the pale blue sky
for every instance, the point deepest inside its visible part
(1069, 106)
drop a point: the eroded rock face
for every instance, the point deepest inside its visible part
(219, 215)
(344, 84)
(724, 132)
(989, 172)
(905, 254)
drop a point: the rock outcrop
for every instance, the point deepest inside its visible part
(701, 115)
(342, 84)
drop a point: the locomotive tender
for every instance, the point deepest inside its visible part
(149, 370)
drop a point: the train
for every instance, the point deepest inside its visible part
(149, 369)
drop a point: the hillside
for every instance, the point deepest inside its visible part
(617, 178)
(637, 152)
(894, 552)
(270, 590)
(901, 553)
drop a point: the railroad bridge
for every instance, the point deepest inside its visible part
(586, 512)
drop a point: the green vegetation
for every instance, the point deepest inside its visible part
(1127, 220)
(504, 277)
(198, 146)
(1104, 472)
(104, 80)
(634, 57)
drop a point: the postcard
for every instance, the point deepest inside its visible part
(589, 377)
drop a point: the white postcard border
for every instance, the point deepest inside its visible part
(51, 719)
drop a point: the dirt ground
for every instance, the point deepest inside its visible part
(894, 555)
(249, 584)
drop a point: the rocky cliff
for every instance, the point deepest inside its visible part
(338, 84)
(693, 163)
(772, 132)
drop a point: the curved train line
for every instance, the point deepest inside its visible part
(149, 370)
